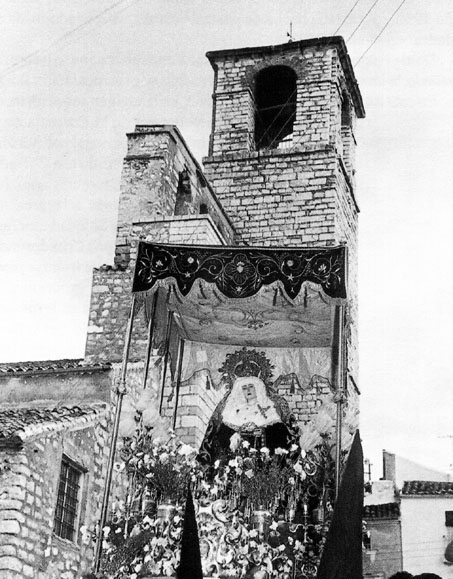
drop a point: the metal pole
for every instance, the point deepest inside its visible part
(149, 344)
(121, 390)
(165, 359)
(339, 389)
(178, 378)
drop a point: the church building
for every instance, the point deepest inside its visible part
(221, 346)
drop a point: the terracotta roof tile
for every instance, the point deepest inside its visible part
(386, 510)
(427, 487)
(17, 424)
(51, 366)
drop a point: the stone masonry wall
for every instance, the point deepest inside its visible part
(111, 289)
(277, 198)
(233, 124)
(346, 231)
(29, 487)
(155, 160)
(297, 196)
(323, 91)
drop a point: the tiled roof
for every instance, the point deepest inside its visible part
(387, 510)
(17, 424)
(427, 487)
(51, 366)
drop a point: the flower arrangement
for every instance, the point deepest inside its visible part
(288, 483)
(162, 468)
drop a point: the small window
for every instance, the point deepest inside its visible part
(275, 100)
(183, 194)
(203, 209)
(345, 112)
(67, 509)
(449, 518)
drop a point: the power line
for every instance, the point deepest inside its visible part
(381, 32)
(25, 61)
(345, 18)
(363, 19)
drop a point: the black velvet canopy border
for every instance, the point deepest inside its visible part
(240, 272)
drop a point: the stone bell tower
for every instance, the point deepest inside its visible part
(281, 153)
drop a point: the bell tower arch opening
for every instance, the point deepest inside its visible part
(275, 101)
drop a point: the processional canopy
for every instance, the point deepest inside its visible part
(265, 297)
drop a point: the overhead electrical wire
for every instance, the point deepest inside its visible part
(64, 37)
(345, 18)
(375, 3)
(381, 32)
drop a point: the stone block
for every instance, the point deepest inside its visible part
(8, 563)
(9, 526)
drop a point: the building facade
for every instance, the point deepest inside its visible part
(427, 527)
(279, 177)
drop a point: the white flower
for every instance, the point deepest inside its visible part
(186, 450)
(310, 438)
(293, 448)
(292, 480)
(164, 457)
(235, 440)
(233, 462)
(217, 464)
(273, 525)
(280, 451)
(246, 444)
(264, 450)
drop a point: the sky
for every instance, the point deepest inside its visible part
(76, 76)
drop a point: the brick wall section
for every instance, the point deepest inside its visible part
(29, 487)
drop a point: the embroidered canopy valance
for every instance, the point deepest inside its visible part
(240, 272)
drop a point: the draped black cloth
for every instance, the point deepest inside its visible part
(342, 556)
(190, 562)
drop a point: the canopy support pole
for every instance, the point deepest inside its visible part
(165, 359)
(339, 388)
(121, 390)
(149, 344)
(178, 378)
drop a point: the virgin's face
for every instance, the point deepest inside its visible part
(249, 392)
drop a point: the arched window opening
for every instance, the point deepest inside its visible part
(276, 100)
(183, 194)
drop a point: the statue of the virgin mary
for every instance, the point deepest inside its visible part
(250, 408)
